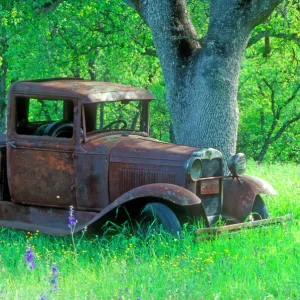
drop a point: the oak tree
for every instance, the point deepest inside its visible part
(201, 75)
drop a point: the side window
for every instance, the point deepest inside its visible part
(120, 115)
(44, 117)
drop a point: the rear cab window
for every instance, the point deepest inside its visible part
(44, 117)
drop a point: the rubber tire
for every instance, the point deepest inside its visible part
(259, 209)
(164, 215)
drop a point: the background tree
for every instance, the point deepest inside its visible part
(15, 18)
(269, 97)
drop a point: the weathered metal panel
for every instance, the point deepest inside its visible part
(239, 195)
(88, 91)
(91, 181)
(139, 161)
(41, 177)
(142, 149)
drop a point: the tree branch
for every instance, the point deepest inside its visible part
(49, 6)
(258, 10)
(150, 52)
(5, 39)
(289, 100)
(173, 25)
(272, 96)
(284, 127)
(264, 34)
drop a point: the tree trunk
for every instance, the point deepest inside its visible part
(202, 81)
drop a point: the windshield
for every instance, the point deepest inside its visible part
(110, 116)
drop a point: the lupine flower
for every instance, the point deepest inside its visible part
(72, 221)
(29, 258)
(43, 297)
(54, 278)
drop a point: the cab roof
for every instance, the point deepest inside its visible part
(88, 91)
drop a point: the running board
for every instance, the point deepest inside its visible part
(47, 220)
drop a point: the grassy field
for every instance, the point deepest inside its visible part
(260, 263)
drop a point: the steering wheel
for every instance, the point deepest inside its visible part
(40, 130)
(64, 130)
(111, 124)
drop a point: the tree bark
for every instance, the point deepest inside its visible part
(202, 81)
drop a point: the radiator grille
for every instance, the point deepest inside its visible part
(212, 168)
(132, 178)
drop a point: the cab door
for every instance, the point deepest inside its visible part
(41, 143)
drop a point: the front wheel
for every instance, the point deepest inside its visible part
(259, 209)
(156, 215)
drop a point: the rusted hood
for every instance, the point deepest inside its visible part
(142, 149)
(136, 148)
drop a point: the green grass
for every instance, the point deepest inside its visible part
(260, 263)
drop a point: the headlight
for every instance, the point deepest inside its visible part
(194, 168)
(237, 164)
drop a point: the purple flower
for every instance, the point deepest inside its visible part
(29, 258)
(43, 297)
(71, 219)
(54, 277)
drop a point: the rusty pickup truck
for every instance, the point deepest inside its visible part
(86, 144)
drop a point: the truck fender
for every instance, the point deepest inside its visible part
(238, 197)
(170, 194)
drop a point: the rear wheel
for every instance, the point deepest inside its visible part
(259, 209)
(155, 216)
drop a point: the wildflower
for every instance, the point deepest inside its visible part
(54, 276)
(29, 258)
(72, 221)
(43, 297)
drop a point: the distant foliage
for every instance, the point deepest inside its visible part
(269, 92)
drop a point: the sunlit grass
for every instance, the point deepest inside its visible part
(260, 263)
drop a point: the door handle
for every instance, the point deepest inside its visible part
(11, 144)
